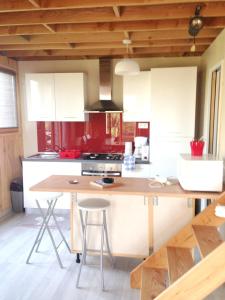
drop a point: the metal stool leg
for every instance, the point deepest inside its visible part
(42, 226)
(101, 255)
(50, 234)
(60, 231)
(84, 249)
(106, 237)
(39, 235)
(82, 226)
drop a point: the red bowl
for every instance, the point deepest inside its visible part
(69, 154)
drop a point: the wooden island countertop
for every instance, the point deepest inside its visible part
(128, 186)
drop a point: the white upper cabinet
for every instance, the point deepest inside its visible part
(70, 96)
(173, 101)
(40, 97)
(56, 96)
(137, 97)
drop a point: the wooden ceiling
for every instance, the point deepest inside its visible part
(70, 29)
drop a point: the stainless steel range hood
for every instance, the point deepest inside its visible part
(105, 103)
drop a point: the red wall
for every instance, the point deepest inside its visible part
(102, 133)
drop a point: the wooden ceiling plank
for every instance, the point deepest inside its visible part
(107, 15)
(21, 5)
(108, 37)
(35, 3)
(117, 11)
(36, 46)
(137, 25)
(22, 30)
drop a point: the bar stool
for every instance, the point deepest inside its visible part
(51, 203)
(87, 206)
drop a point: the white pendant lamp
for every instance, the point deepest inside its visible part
(127, 66)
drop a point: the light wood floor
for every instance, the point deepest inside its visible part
(44, 280)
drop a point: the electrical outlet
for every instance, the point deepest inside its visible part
(143, 125)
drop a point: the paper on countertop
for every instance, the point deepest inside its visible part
(220, 211)
(159, 181)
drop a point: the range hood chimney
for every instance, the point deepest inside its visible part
(105, 103)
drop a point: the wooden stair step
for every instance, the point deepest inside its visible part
(180, 261)
(154, 281)
(208, 238)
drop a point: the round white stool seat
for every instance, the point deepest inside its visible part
(93, 204)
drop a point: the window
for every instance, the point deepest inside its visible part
(8, 104)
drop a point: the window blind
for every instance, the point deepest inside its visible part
(8, 106)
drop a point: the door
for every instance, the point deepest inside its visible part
(214, 111)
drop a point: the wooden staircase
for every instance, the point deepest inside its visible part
(172, 273)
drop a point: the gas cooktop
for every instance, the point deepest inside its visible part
(102, 156)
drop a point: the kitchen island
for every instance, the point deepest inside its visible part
(141, 217)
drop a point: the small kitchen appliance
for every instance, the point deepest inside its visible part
(145, 153)
(200, 173)
(139, 141)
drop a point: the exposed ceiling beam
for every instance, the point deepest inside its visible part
(106, 14)
(72, 57)
(117, 11)
(107, 52)
(35, 3)
(114, 45)
(50, 28)
(18, 5)
(26, 37)
(125, 26)
(107, 37)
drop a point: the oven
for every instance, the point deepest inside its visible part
(101, 169)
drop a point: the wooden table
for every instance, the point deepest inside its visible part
(128, 186)
(139, 189)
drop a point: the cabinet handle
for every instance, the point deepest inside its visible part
(155, 201)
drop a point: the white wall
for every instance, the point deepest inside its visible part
(213, 56)
(91, 67)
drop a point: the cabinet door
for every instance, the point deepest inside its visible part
(70, 96)
(173, 100)
(40, 97)
(136, 97)
(128, 229)
(170, 215)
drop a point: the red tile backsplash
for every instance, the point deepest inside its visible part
(102, 133)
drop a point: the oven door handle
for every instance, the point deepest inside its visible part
(87, 173)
